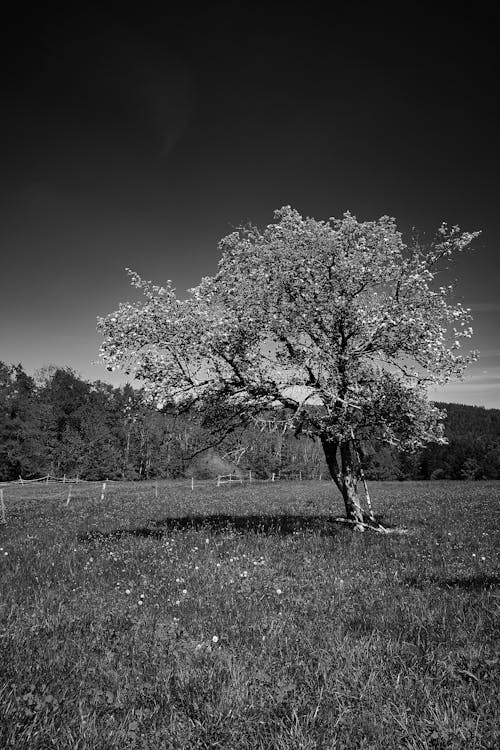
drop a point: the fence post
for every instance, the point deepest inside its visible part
(64, 479)
(156, 488)
(21, 480)
(3, 519)
(250, 475)
(300, 476)
(192, 483)
(69, 496)
(218, 480)
(47, 479)
(272, 478)
(103, 491)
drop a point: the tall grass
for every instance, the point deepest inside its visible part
(244, 617)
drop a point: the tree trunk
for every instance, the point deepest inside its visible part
(345, 477)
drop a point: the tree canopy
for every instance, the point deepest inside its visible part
(340, 322)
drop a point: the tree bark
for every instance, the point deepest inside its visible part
(345, 477)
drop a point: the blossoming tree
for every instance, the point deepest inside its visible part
(338, 322)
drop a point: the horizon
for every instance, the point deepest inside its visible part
(141, 139)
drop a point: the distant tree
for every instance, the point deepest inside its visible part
(22, 446)
(340, 313)
(471, 469)
(64, 395)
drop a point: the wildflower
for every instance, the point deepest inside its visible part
(473, 554)
(184, 591)
(177, 602)
(279, 591)
(142, 596)
(196, 567)
(127, 591)
(140, 602)
(215, 639)
(483, 558)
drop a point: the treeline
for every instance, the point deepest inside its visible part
(58, 423)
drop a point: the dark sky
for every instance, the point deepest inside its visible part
(140, 137)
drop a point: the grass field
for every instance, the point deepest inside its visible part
(243, 617)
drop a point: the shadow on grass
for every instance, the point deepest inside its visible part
(222, 523)
(473, 583)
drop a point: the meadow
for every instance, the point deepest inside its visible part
(246, 617)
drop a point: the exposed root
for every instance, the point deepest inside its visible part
(359, 526)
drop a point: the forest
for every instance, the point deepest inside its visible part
(57, 423)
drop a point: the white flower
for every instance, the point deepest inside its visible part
(215, 639)
(279, 591)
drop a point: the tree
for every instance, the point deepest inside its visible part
(22, 445)
(338, 321)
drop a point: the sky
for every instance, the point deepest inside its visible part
(139, 138)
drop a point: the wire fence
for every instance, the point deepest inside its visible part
(219, 480)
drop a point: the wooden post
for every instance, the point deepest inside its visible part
(21, 480)
(218, 480)
(64, 479)
(156, 488)
(272, 478)
(103, 490)
(69, 496)
(192, 483)
(300, 476)
(47, 479)
(3, 519)
(250, 475)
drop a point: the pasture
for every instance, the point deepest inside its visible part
(242, 616)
